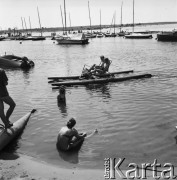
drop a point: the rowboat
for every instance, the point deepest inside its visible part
(101, 80)
(15, 61)
(77, 77)
(7, 135)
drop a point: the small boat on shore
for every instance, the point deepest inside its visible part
(100, 80)
(167, 35)
(16, 62)
(7, 135)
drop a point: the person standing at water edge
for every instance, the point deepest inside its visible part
(68, 137)
(5, 98)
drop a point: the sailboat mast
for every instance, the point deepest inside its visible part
(114, 21)
(133, 15)
(111, 23)
(25, 26)
(121, 17)
(62, 19)
(39, 20)
(30, 24)
(65, 14)
(100, 20)
(89, 17)
(22, 23)
(70, 21)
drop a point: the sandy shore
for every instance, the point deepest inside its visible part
(28, 168)
(22, 167)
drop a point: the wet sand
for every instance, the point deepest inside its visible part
(22, 167)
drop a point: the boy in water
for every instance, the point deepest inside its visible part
(61, 98)
(68, 137)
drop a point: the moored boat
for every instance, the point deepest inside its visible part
(167, 35)
(2, 38)
(100, 35)
(101, 80)
(138, 36)
(123, 33)
(37, 38)
(7, 135)
(75, 39)
(13, 61)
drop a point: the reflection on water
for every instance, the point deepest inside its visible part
(135, 119)
(101, 89)
(63, 108)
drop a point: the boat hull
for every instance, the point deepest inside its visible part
(101, 81)
(167, 36)
(138, 36)
(13, 61)
(7, 135)
(72, 41)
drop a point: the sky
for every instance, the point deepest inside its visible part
(77, 13)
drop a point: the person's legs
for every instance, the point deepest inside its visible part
(2, 115)
(76, 143)
(8, 100)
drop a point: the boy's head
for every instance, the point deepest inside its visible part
(62, 90)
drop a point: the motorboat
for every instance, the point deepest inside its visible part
(13, 61)
(167, 35)
(75, 39)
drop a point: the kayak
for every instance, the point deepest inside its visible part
(103, 75)
(101, 80)
(15, 62)
(7, 135)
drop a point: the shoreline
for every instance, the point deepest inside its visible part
(23, 167)
(85, 27)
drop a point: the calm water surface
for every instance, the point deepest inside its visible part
(135, 119)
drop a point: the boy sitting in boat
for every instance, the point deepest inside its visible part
(97, 70)
(68, 137)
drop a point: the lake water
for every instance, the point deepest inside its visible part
(135, 119)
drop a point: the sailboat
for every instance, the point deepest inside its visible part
(122, 33)
(100, 34)
(137, 35)
(90, 35)
(114, 33)
(41, 37)
(70, 39)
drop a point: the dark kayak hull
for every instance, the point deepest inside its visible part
(7, 135)
(101, 81)
(77, 77)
